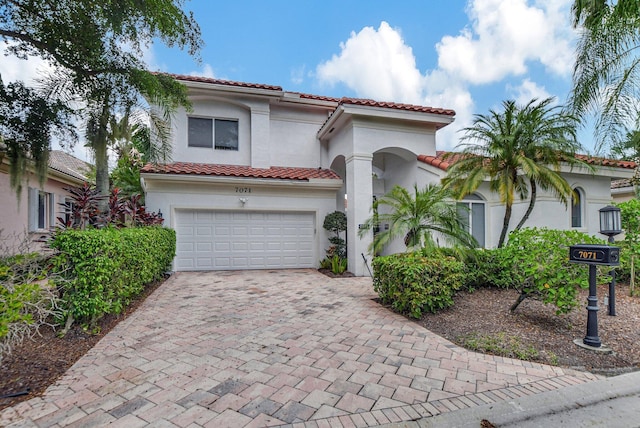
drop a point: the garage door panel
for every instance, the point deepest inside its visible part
(204, 231)
(210, 240)
(204, 247)
(201, 217)
(222, 230)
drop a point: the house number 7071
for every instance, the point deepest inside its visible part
(243, 189)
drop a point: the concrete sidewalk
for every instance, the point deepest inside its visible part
(610, 403)
(269, 348)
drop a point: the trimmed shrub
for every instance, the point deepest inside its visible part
(630, 247)
(537, 260)
(106, 268)
(415, 282)
(489, 268)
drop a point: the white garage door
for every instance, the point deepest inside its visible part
(221, 240)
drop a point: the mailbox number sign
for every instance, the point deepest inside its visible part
(595, 254)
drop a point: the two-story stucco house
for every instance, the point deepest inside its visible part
(256, 169)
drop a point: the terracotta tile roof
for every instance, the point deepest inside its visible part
(68, 164)
(399, 106)
(607, 162)
(318, 97)
(275, 172)
(338, 101)
(621, 184)
(223, 82)
(438, 161)
(374, 103)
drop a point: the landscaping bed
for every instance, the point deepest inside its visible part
(39, 362)
(481, 320)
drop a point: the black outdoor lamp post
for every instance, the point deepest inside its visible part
(610, 225)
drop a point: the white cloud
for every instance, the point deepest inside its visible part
(504, 36)
(207, 71)
(13, 69)
(298, 74)
(376, 64)
(502, 40)
(527, 91)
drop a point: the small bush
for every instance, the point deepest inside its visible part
(489, 268)
(415, 282)
(538, 262)
(106, 268)
(27, 299)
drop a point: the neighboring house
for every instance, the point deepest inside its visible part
(622, 190)
(256, 170)
(33, 214)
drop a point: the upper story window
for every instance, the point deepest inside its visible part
(221, 134)
(577, 206)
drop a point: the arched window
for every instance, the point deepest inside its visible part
(577, 207)
(471, 211)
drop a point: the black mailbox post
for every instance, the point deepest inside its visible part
(593, 255)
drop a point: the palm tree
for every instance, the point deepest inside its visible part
(549, 142)
(108, 103)
(414, 216)
(607, 66)
(518, 149)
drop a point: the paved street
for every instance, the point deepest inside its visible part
(269, 348)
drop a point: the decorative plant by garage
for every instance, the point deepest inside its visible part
(336, 258)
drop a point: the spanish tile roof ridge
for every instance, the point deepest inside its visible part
(316, 97)
(68, 164)
(622, 183)
(395, 105)
(213, 81)
(437, 161)
(601, 161)
(440, 162)
(339, 100)
(274, 172)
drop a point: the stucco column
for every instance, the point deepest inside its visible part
(260, 144)
(359, 198)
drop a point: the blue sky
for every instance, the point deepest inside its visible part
(465, 55)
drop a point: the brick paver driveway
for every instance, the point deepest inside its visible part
(262, 348)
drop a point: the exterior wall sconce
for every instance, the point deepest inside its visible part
(243, 201)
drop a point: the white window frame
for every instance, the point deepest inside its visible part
(216, 138)
(467, 202)
(42, 210)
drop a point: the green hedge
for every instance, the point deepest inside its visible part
(106, 268)
(415, 282)
(535, 262)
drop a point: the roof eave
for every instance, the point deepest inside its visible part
(318, 183)
(208, 86)
(437, 120)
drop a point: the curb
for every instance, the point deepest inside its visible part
(594, 402)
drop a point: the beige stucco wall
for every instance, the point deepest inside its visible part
(14, 212)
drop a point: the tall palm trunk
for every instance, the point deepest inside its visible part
(532, 203)
(505, 224)
(99, 143)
